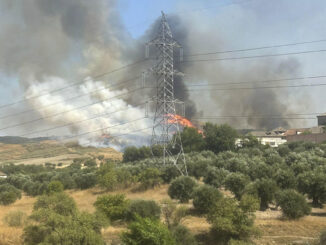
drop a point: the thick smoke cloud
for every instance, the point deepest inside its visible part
(50, 43)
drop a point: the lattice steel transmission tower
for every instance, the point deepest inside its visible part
(166, 132)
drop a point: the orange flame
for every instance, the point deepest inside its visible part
(181, 121)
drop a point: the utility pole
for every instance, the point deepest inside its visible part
(166, 131)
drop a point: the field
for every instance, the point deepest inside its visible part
(274, 229)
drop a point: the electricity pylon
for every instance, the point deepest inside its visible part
(166, 131)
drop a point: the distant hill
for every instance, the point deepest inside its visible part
(21, 140)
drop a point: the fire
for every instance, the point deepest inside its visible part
(182, 121)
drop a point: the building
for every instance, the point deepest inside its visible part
(2, 175)
(321, 120)
(273, 138)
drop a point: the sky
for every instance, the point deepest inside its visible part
(70, 39)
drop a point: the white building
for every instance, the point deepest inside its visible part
(3, 175)
(273, 138)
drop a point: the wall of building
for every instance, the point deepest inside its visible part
(321, 120)
(272, 141)
(316, 138)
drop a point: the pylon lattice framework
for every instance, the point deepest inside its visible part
(166, 131)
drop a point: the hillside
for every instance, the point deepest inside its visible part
(20, 150)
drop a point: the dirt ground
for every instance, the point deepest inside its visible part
(274, 230)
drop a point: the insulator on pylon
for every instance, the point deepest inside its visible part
(143, 80)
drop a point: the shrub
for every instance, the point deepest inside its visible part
(197, 168)
(54, 187)
(15, 218)
(172, 214)
(113, 206)
(183, 236)
(204, 198)
(147, 231)
(265, 190)
(107, 176)
(90, 163)
(9, 194)
(150, 178)
(85, 180)
(313, 183)
(170, 173)
(322, 238)
(215, 177)
(143, 208)
(229, 221)
(59, 222)
(236, 182)
(293, 204)
(182, 188)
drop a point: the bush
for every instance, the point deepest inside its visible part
(143, 208)
(230, 221)
(170, 173)
(215, 177)
(293, 204)
(172, 214)
(150, 178)
(107, 176)
(147, 231)
(9, 194)
(90, 163)
(58, 221)
(322, 238)
(54, 187)
(265, 190)
(85, 180)
(204, 198)
(182, 188)
(183, 236)
(113, 206)
(15, 218)
(236, 182)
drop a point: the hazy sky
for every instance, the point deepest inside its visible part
(58, 42)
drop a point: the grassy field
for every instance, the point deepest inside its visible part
(274, 230)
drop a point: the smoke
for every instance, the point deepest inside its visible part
(49, 44)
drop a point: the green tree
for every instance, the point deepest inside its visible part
(107, 176)
(183, 236)
(54, 187)
(219, 138)
(313, 183)
(236, 182)
(131, 154)
(192, 140)
(182, 188)
(293, 204)
(204, 198)
(215, 176)
(230, 221)
(143, 208)
(265, 190)
(146, 231)
(9, 194)
(150, 178)
(113, 206)
(57, 221)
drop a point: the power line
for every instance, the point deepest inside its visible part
(269, 87)
(256, 48)
(80, 121)
(69, 99)
(77, 108)
(254, 57)
(256, 117)
(73, 84)
(263, 81)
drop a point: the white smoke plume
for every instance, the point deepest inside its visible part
(107, 110)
